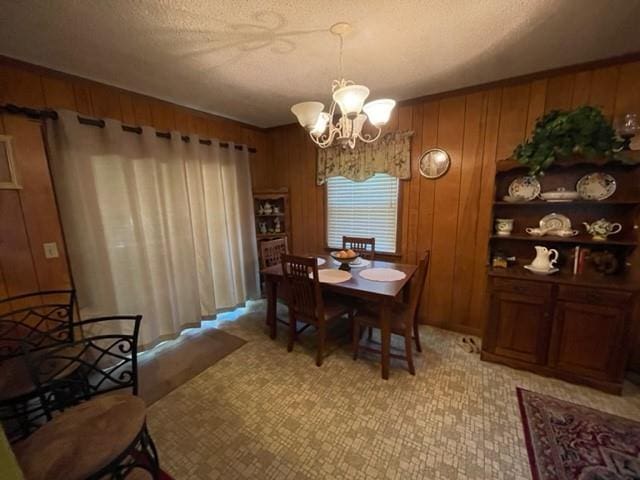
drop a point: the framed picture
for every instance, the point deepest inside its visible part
(434, 163)
(8, 172)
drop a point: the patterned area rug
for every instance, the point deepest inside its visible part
(566, 441)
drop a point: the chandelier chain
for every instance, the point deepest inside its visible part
(341, 62)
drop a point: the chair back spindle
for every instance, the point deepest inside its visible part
(365, 247)
(305, 296)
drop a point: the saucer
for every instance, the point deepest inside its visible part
(541, 272)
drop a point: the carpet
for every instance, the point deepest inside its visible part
(566, 441)
(173, 363)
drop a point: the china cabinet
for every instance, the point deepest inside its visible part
(272, 216)
(576, 323)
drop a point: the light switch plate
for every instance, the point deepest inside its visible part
(51, 250)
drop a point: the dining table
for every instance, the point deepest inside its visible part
(382, 293)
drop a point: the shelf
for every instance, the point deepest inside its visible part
(271, 235)
(538, 203)
(270, 215)
(632, 159)
(614, 282)
(577, 240)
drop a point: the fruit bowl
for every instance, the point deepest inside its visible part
(345, 257)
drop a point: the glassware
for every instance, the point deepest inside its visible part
(627, 126)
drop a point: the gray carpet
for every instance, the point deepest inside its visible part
(175, 362)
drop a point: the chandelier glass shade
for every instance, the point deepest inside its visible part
(348, 114)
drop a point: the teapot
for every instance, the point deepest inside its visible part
(543, 262)
(601, 229)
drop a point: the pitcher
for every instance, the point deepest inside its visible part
(543, 260)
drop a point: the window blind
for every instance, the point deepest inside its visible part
(363, 209)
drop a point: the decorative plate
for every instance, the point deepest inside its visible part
(434, 163)
(596, 186)
(527, 188)
(555, 221)
(560, 195)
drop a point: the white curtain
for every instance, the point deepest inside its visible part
(155, 226)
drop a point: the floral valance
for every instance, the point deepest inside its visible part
(391, 154)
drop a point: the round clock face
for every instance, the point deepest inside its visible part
(434, 163)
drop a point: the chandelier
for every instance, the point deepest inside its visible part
(350, 126)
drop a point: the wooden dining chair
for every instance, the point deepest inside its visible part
(404, 320)
(306, 303)
(366, 247)
(271, 252)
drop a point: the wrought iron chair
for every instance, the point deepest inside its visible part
(89, 435)
(306, 303)
(34, 321)
(365, 247)
(404, 320)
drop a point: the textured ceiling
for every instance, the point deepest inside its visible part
(250, 60)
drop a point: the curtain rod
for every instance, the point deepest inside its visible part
(52, 114)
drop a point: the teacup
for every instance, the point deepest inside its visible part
(504, 226)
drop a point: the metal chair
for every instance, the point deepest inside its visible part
(97, 436)
(34, 321)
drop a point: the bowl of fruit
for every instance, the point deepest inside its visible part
(345, 257)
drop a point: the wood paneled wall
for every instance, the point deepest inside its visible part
(29, 217)
(451, 215)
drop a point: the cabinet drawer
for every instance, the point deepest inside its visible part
(594, 296)
(522, 287)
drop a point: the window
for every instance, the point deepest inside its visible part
(363, 209)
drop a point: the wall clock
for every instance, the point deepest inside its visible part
(434, 163)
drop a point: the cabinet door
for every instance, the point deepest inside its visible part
(589, 340)
(519, 327)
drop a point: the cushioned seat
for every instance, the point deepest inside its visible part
(15, 379)
(83, 439)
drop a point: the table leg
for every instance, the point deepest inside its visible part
(272, 307)
(385, 337)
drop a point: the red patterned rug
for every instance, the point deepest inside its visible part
(566, 441)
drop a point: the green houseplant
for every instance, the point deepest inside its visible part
(559, 134)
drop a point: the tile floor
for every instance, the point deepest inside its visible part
(264, 413)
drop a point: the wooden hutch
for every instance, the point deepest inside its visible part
(272, 216)
(579, 327)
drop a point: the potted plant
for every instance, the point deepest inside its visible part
(560, 134)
